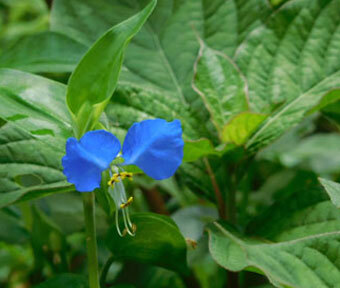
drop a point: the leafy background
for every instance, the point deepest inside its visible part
(255, 85)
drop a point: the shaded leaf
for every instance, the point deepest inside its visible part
(158, 241)
(12, 229)
(66, 281)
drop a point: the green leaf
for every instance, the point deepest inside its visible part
(333, 190)
(29, 168)
(240, 128)
(196, 149)
(286, 65)
(45, 52)
(33, 139)
(304, 213)
(304, 262)
(95, 78)
(221, 85)
(158, 241)
(65, 281)
(43, 117)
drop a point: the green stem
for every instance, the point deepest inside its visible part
(231, 216)
(91, 240)
(105, 270)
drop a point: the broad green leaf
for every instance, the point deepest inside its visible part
(95, 78)
(286, 65)
(29, 168)
(305, 262)
(158, 241)
(35, 105)
(65, 281)
(45, 52)
(221, 85)
(333, 190)
(33, 140)
(305, 213)
(240, 127)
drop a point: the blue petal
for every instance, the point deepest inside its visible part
(155, 146)
(87, 158)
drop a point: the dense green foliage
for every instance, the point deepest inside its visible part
(256, 85)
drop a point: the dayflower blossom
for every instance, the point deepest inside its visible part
(155, 146)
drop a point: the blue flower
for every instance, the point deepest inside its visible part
(155, 146)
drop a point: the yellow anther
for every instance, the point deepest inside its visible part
(128, 202)
(117, 177)
(124, 175)
(114, 179)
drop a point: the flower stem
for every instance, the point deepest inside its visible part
(91, 240)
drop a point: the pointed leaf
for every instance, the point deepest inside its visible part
(95, 78)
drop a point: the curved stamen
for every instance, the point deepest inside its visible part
(117, 223)
(117, 190)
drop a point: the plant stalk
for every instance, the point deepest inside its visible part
(218, 194)
(91, 240)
